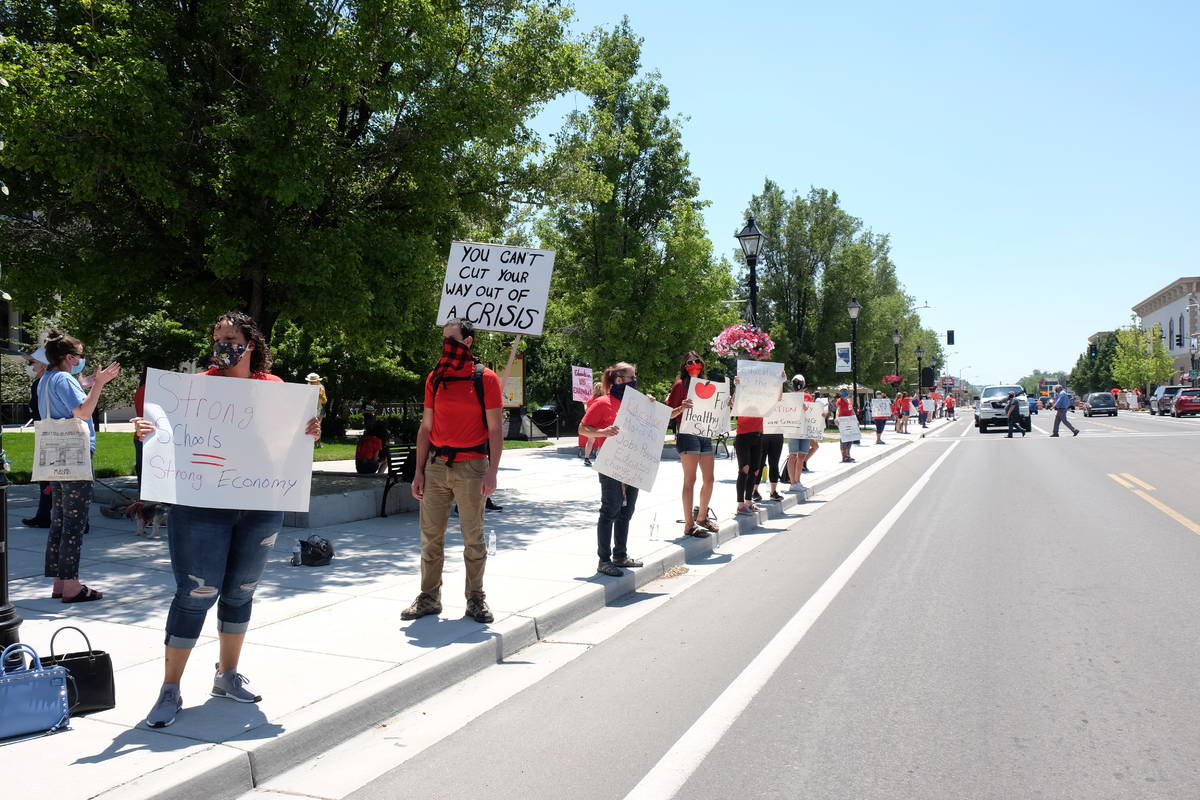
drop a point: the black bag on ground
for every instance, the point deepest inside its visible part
(315, 551)
(93, 674)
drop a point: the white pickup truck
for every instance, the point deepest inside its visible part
(992, 402)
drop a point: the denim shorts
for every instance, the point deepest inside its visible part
(798, 446)
(689, 444)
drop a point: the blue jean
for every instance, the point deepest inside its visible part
(616, 509)
(217, 553)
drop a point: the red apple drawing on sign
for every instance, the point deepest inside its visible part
(705, 390)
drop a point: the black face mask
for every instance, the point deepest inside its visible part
(618, 389)
(227, 354)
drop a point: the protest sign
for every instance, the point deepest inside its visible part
(927, 405)
(848, 429)
(513, 391)
(581, 383)
(881, 408)
(227, 442)
(841, 356)
(787, 417)
(709, 414)
(496, 287)
(633, 455)
(814, 419)
(758, 386)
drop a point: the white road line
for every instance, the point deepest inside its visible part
(672, 771)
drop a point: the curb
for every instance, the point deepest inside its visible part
(376, 699)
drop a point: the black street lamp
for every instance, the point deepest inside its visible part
(920, 355)
(751, 239)
(896, 344)
(10, 621)
(852, 308)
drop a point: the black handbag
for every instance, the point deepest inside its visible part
(93, 674)
(315, 551)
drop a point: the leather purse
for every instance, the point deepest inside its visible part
(33, 699)
(93, 674)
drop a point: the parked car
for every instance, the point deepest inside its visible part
(1185, 402)
(1160, 401)
(1100, 403)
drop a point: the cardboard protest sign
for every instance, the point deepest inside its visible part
(513, 390)
(814, 419)
(758, 386)
(633, 455)
(881, 408)
(927, 405)
(787, 417)
(496, 287)
(581, 383)
(848, 429)
(709, 414)
(227, 442)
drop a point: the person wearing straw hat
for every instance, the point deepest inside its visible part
(315, 380)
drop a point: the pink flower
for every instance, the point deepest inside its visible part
(743, 339)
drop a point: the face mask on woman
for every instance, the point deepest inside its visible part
(694, 369)
(30, 371)
(228, 354)
(78, 368)
(618, 389)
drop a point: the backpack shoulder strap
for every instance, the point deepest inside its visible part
(478, 380)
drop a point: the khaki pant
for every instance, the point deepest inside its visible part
(445, 486)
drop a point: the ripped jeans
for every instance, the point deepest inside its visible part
(216, 553)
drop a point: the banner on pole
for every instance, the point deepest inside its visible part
(787, 417)
(227, 443)
(497, 287)
(848, 430)
(759, 384)
(709, 414)
(841, 356)
(633, 455)
(581, 384)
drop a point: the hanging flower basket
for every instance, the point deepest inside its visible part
(892, 380)
(743, 339)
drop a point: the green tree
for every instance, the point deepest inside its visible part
(301, 161)
(1131, 362)
(1162, 366)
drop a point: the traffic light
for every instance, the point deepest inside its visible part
(949, 337)
(1092, 351)
(1178, 340)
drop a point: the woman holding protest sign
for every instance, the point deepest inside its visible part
(61, 397)
(217, 554)
(695, 452)
(617, 500)
(845, 408)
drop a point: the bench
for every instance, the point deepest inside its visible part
(398, 458)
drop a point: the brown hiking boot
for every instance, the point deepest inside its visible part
(423, 606)
(477, 609)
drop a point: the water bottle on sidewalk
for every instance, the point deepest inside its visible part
(654, 527)
(296, 554)
(491, 542)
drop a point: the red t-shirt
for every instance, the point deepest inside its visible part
(457, 417)
(905, 403)
(601, 413)
(590, 402)
(368, 448)
(949, 402)
(678, 394)
(258, 376)
(749, 424)
(844, 408)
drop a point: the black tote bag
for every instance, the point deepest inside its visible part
(93, 674)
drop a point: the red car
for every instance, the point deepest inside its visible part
(1187, 401)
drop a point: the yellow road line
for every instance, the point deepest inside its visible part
(1121, 481)
(1170, 512)
(1142, 484)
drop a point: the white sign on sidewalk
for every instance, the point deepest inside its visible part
(581, 384)
(758, 386)
(709, 414)
(227, 442)
(497, 287)
(633, 455)
(848, 430)
(787, 417)
(814, 419)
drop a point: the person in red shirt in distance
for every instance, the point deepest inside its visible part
(845, 408)
(458, 455)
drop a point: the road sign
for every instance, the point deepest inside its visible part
(948, 380)
(1193, 374)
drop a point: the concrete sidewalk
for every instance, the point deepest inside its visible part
(327, 648)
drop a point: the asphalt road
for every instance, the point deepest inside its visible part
(1026, 626)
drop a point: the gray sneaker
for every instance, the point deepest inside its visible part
(233, 685)
(165, 707)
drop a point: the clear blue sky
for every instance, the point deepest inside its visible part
(1034, 163)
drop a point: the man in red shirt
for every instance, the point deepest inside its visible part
(458, 453)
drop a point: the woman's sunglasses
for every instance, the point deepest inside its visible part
(691, 361)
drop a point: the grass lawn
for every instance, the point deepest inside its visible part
(114, 454)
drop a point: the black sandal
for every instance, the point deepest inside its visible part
(86, 595)
(698, 532)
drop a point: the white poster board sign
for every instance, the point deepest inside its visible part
(227, 442)
(881, 408)
(581, 384)
(758, 386)
(1131, 400)
(927, 405)
(841, 357)
(787, 417)
(815, 414)
(709, 414)
(497, 287)
(633, 455)
(848, 430)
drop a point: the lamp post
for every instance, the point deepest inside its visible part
(1195, 350)
(920, 355)
(751, 240)
(852, 308)
(896, 344)
(10, 621)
